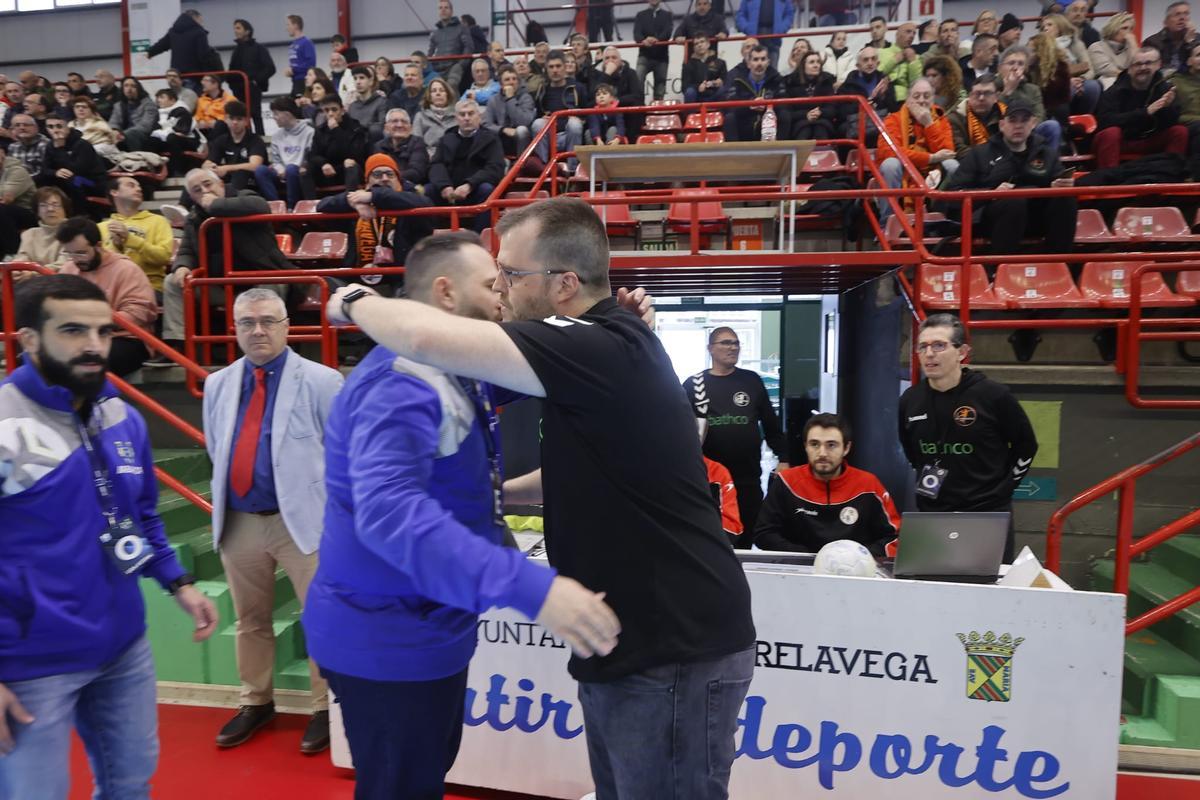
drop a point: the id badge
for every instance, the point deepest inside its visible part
(127, 548)
(929, 482)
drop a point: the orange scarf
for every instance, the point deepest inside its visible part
(976, 130)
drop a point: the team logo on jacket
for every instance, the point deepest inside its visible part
(989, 665)
(849, 515)
(964, 416)
(741, 399)
(125, 450)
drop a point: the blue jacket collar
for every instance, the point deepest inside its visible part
(58, 398)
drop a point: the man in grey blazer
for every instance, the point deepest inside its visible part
(264, 421)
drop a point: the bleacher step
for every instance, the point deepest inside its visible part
(1152, 584)
(1148, 655)
(1183, 552)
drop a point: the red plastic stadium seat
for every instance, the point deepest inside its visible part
(821, 162)
(852, 159)
(1110, 283)
(277, 207)
(1081, 125)
(1160, 224)
(322, 246)
(1039, 286)
(284, 240)
(618, 219)
(1188, 283)
(939, 289)
(305, 207)
(711, 216)
(665, 102)
(656, 138)
(713, 120)
(713, 137)
(896, 235)
(662, 122)
(1090, 229)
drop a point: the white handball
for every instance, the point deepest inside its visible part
(845, 557)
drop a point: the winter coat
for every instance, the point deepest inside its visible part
(188, 42)
(370, 112)
(746, 19)
(449, 38)
(1122, 106)
(138, 115)
(253, 59)
(914, 139)
(77, 155)
(431, 124)
(510, 112)
(1187, 96)
(476, 160)
(334, 145)
(410, 156)
(839, 66)
(1108, 62)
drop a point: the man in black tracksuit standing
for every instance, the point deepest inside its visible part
(967, 437)
(739, 414)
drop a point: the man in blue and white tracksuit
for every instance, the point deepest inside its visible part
(75, 465)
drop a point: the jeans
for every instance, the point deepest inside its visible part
(298, 185)
(1085, 102)
(1051, 131)
(893, 175)
(403, 735)
(659, 68)
(666, 733)
(693, 95)
(570, 136)
(115, 710)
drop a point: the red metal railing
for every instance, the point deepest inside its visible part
(1135, 335)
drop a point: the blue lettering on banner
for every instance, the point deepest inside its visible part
(889, 755)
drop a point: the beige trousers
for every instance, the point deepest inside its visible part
(252, 547)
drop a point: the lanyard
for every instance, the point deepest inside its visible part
(490, 425)
(99, 475)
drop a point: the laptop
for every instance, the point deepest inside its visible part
(959, 547)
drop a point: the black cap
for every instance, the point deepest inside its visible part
(1018, 106)
(1008, 22)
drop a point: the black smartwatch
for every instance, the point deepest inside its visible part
(186, 579)
(352, 296)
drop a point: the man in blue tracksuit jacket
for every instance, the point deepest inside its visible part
(411, 552)
(73, 650)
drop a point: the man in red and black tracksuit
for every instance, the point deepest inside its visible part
(827, 499)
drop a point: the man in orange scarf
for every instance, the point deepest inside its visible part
(921, 131)
(979, 119)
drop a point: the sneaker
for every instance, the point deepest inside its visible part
(162, 360)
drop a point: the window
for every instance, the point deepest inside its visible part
(19, 6)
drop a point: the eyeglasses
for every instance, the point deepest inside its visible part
(248, 324)
(509, 274)
(1144, 63)
(937, 347)
(380, 174)
(50, 204)
(728, 343)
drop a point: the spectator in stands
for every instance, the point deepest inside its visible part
(72, 165)
(900, 62)
(78, 84)
(29, 145)
(382, 241)
(922, 132)
(600, 23)
(479, 39)
(124, 284)
(510, 113)
(141, 236)
(339, 147)
(302, 54)
(210, 106)
(800, 48)
(1111, 55)
(878, 28)
(1187, 89)
(340, 45)
(449, 38)
(815, 121)
(496, 58)
(183, 94)
(483, 86)
(1139, 113)
(837, 59)
(107, 94)
(1017, 159)
(704, 73)
(254, 245)
(558, 94)
(759, 17)
(468, 164)
(1010, 31)
(310, 103)
(1014, 63)
(385, 75)
(978, 119)
(290, 147)
(94, 128)
(1077, 14)
(338, 69)
(17, 203)
(40, 244)
(571, 71)
(762, 81)
(409, 93)
(947, 43)
(617, 73)
(188, 42)
(945, 76)
(135, 115)
(14, 98)
(826, 499)
(407, 152)
(35, 106)
(609, 127)
(63, 96)
(537, 64)
(369, 106)
(652, 30)
(525, 74)
(1085, 89)
(236, 154)
(1177, 31)
(255, 60)
(983, 59)
(703, 21)
(436, 115)
(176, 132)
(428, 73)
(867, 81)
(986, 22)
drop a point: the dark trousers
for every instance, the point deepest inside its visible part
(403, 735)
(1006, 222)
(600, 24)
(13, 220)
(749, 500)
(126, 355)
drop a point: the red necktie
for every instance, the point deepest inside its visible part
(245, 449)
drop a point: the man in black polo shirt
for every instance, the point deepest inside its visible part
(739, 414)
(628, 511)
(235, 155)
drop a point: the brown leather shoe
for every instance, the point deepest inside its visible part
(316, 735)
(244, 724)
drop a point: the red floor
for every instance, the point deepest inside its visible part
(270, 766)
